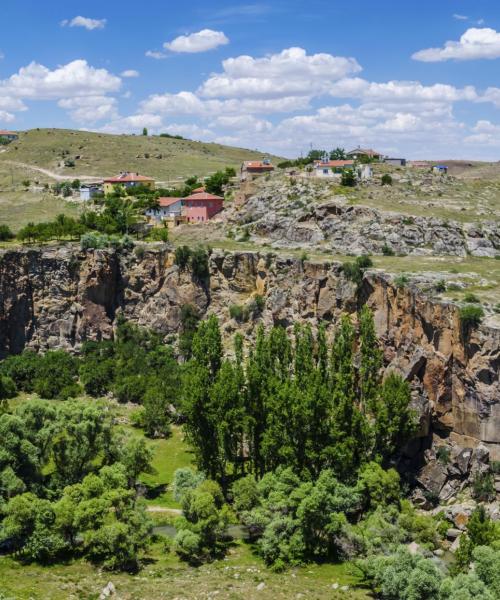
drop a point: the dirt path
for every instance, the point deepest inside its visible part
(52, 174)
(163, 509)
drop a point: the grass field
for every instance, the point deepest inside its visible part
(166, 577)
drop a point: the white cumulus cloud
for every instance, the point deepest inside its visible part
(77, 78)
(6, 117)
(475, 43)
(84, 22)
(291, 72)
(129, 73)
(90, 109)
(201, 41)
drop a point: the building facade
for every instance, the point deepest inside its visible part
(201, 207)
(128, 180)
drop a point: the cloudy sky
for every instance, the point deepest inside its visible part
(419, 79)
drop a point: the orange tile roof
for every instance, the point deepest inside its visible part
(334, 163)
(198, 190)
(203, 196)
(257, 164)
(4, 132)
(128, 177)
(168, 201)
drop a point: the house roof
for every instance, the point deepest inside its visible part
(127, 177)
(202, 196)
(198, 190)
(334, 163)
(367, 151)
(168, 201)
(258, 164)
(5, 132)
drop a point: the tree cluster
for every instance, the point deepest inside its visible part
(67, 485)
(296, 403)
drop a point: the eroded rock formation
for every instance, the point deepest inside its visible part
(60, 297)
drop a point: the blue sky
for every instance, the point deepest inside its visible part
(412, 79)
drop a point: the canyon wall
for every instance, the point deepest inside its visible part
(60, 297)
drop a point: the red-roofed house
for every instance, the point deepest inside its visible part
(128, 180)
(8, 135)
(255, 167)
(201, 207)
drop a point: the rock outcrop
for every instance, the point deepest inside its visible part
(60, 297)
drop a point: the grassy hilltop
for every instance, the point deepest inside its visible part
(100, 154)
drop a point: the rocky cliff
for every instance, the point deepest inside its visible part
(60, 297)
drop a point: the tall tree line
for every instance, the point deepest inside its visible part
(294, 401)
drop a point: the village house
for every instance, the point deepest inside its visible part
(364, 153)
(201, 207)
(440, 169)
(169, 211)
(128, 180)
(251, 168)
(8, 135)
(395, 162)
(89, 190)
(331, 168)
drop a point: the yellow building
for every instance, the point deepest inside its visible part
(128, 180)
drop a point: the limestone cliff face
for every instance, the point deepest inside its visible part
(60, 297)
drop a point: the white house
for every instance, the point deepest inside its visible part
(168, 208)
(328, 169)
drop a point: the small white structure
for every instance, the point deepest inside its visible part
(364, 172)
(89, 190)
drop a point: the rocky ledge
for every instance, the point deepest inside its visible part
(60, 297)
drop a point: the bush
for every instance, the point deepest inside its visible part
(159, 234)
(483, 487)
(440, 286)
(386, 179)
(199, 263)
(401, 281)
(182, 256)
(94, 241)
(5, 233)
(140, 252)
(470, 317)
(238, 312)
(387, 250)
(354, 271)
(443, 454)
(471, 298)
(348, 179)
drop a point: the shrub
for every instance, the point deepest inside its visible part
(471, 298)
(159, 234)
(348, 178)
(94, 241)
(355, 270)
(386, 179)
(443, 454)
(440, 286)
(470, 317)
(5, 233)
(199, 263)
(483, 487)
(387, 250)
(182, 256)
(401, 281)
(139, 251)
(238, 312)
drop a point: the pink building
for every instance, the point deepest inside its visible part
(201, 207)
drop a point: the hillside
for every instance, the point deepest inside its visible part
(100, 155)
